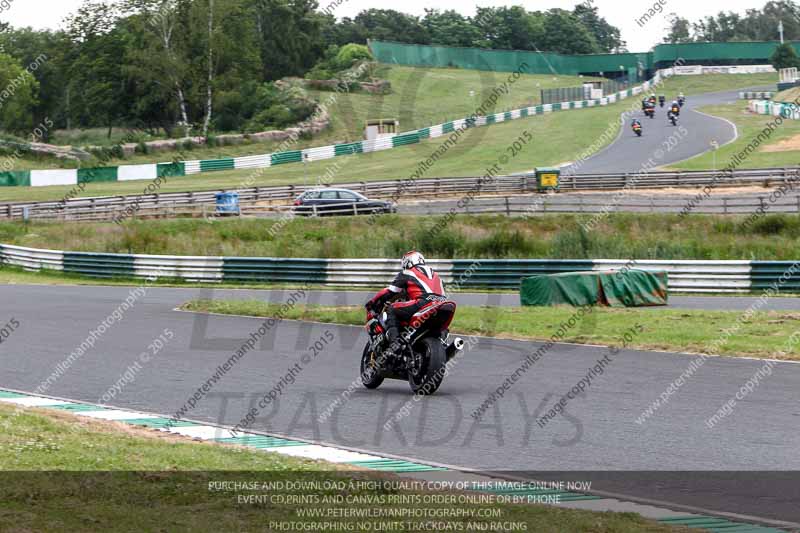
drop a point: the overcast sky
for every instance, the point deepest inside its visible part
(50, 13)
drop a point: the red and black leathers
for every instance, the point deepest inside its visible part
(416, 285)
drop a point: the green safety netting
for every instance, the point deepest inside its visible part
(621, 288)
(662, 56)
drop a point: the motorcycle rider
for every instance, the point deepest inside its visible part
(661, 99)
(636, 125)
(419, 284)
(675, 109)
(672, 117)
(681, 99)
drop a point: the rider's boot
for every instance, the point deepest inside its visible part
(392, 334)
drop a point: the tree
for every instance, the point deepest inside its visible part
(566, 34)
(159, 59)
(345, 31)
(390, 25)
(755, 25)
(608, 37)
(290, 37)
(450, 28)
(210, 80)
(47, 50)
(763, 25)
(230, 53)
(96, 81)
(678, 30)
(18, 98)
(508, 28)
(723, 28)
(785, 56)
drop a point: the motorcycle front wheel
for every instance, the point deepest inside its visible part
(428, 367)
(370, 371)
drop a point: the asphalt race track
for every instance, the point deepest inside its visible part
(597, 432)
(629, 153)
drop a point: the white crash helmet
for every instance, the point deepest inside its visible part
(412, 259)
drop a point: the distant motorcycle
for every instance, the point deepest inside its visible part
(650, 111)
(681, 100)
(637, 129)
(661, 100)
(673, 118)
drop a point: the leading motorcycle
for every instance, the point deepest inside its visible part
(423, 348)
(672, 118)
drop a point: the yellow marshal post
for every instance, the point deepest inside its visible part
(547, 179)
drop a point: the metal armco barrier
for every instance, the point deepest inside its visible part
(258, 198)
(684, 276)
(763, 95)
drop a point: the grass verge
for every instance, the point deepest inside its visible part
(620, 236)
(74, 474)
(712, 83)
(749, 126)
(762, 335)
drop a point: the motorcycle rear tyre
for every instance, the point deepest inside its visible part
(432, 373)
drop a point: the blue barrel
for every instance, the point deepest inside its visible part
(228, 203)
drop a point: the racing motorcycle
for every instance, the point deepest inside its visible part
(650, 111)
(422, 352)
(673, 118)
(637, 129)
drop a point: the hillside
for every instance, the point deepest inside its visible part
(420, 97)
(558, 137)
(789, 95)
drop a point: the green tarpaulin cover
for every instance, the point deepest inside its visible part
(620, 288)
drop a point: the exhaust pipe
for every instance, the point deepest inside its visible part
(453, 349)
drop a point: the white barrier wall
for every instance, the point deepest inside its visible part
(137, 172)
(42, 178)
